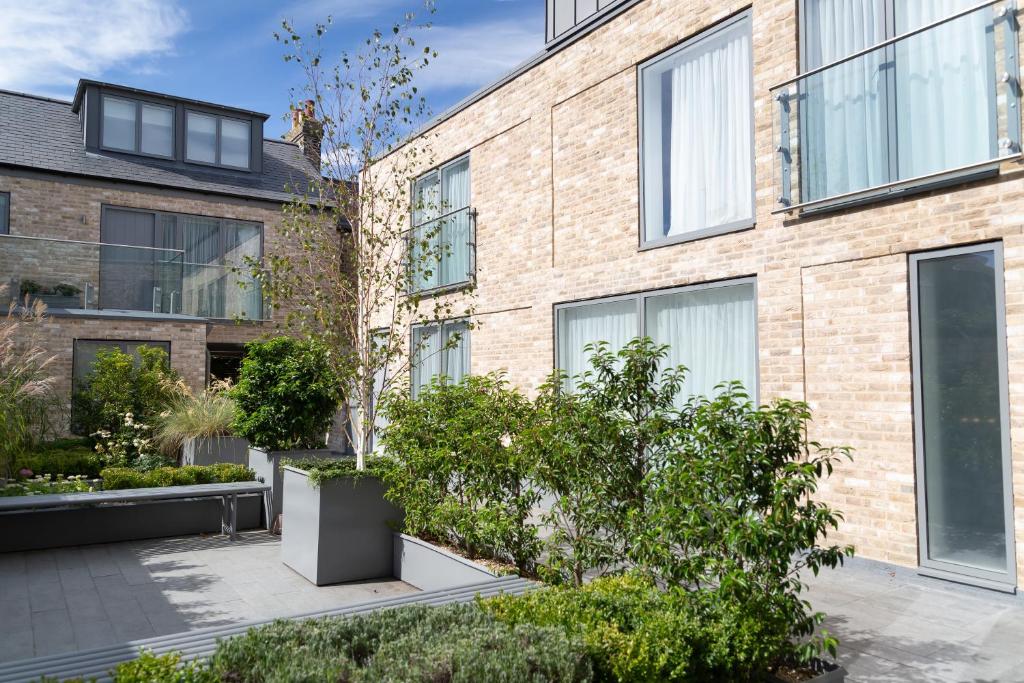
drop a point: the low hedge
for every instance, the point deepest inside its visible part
(70, 457)
(328, 469)
(115, 478)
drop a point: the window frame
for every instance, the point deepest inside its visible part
(137, 151)
(641, 297)
(218, 140)
(414, 388)
(5, 214)
(439, 170)
(711, 32)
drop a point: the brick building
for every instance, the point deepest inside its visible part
(820, 198)
(131, 214)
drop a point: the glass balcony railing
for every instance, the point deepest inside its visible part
(72, 275)
(939, 100)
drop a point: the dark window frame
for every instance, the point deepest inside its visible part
(5, 214)
(218, 140)
(137, 151)
(439, 170)
(465, 337)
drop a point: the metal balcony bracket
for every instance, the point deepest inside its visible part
(1007, 16)
(783, 150)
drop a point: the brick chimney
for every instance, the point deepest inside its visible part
(307, 132)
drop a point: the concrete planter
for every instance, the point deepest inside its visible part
(428, 567)
(210, 450)
(826, 673)
(267, 466)
(338, 531)
(40, 529)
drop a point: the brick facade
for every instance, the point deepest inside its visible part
(555, 175)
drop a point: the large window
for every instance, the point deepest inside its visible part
(84, 357)
(5, 213)
(219, 140)
(697, 172)
(137, 127)
(439, 350)
(711, 329)
(442, 227)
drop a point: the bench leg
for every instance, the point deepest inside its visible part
(233, 522)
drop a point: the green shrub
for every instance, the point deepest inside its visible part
(326, 469)
(167, 668)
(287, 394)
(65, 456)
(404, 645)
(457, 466)
(115, 478)
(119, 385)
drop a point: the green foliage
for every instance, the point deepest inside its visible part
(287, 394)
(129, 478)
(64, 456)
(44, 483)
(118, 385)
(596, 448)
(131, 445)
(405, 645)
(189, 415)
(328, 469)
(457, 466)
(167, 668)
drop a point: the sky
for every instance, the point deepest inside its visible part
(223, 51)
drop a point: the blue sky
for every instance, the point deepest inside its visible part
(224, 51)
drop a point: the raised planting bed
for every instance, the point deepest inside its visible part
(267, 466)
(337, 529)
(819, 671)
(429, 567)
(208, 450)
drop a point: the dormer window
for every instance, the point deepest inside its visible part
(216, 140)
(137, 127)
(567, 16)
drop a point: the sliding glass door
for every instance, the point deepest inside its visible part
(961, 416)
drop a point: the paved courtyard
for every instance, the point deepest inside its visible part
(69, 599)
(896, 626)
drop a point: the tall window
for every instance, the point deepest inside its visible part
(697, 137)
(137, 127)
(5, 213)
(711, 329)
(919, 106)
(442, 227)
(439, 350)
(219, 140)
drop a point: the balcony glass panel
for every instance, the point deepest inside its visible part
(109, 277)
(941, 97)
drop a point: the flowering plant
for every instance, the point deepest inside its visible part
(131, 445)
(44, 483)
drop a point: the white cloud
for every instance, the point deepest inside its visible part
(474, 55)
(47, 45)
(304, 13)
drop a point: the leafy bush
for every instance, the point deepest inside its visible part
(458, 468)
(129, 478)
(191, 415)
(404, 645)
(287, 394)
(327, 469)
(132, 445)
(65, 456)
(43, 484)
(167, 668)
(118, 385)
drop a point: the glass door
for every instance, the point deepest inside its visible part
(965, 512)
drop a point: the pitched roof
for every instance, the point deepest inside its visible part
(46, 135)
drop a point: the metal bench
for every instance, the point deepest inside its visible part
(96, 664)
(228, 493)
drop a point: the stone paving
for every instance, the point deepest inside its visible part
(895, 626)
(69, 599)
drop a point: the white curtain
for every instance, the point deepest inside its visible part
(710, 331)
(945, 108)
(426, 209)
(455, 238)
(614, 322)
(455, 336)
(845, 132)
(242, 296)
(427, 356)
(710, 144)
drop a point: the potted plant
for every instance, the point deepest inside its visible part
(197, 428)
(285, 401)
(61, 296)
(339, 523)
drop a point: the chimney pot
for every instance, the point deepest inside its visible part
(307, 132)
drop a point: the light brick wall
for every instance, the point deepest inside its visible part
(554, 165)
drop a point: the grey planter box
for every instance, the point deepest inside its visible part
(40, 529)
(213, 450)
(429, 568)
(827, 673)
(267, 466)
(339, 531)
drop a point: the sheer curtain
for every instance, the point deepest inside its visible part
(427, 356)
(845, 129)
(203, 281)
(615, 322)
(710, 331)
(709, 143)
(456, 357)
(455, 238)
(426, 209)
(944, 100)
(243, 296)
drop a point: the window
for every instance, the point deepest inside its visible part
(439, 350)
(137, 127)
(711, 329)
(442, 227)
(5, 213)
(696, 147)
(84, 356)
(218, 140)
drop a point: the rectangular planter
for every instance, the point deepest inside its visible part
(40, 529)
(210, 450)
(338, 531)
(428, 567)
(267, 466)
(827, 672)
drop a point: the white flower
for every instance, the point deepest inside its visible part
(506, 440)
